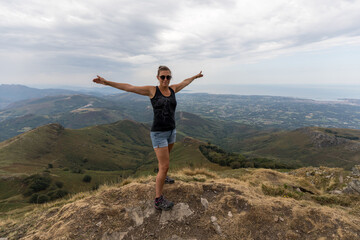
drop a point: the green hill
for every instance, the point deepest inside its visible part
(75, 111)
(311, 146)
(118, 146)
(36, 162)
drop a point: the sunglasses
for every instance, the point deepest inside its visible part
(162, 77)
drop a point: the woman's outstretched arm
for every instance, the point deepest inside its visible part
(179, 86)
(142, 90)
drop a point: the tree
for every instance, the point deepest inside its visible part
(87, 178)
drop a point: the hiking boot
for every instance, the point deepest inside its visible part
(163, 204)
(169, 180)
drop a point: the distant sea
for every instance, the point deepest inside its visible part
(315, 92)
(325, 93)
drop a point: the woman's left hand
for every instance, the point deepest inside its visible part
(199, 75)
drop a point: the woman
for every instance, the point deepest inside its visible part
(163, 132)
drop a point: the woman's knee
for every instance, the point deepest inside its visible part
(164, 168)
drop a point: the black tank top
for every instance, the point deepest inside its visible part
(164, 111)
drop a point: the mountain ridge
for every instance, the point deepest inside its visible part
(305, 146)
(15, 92)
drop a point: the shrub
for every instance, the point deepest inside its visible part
(43, 198)
(77, 170)
(37, 182)
(57, 194)
(52, 188)
(50, 165)
(87, 178)
(33, 198)
(95, 187)
(219, 156)
(40, 184)
(39, 198)
(28, 192)
(222, 162)
(235, 165)
(59, 184)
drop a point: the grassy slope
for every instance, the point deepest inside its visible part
(25, 152)
(294, 147)
(298, 147)
(118, 146)
(108, 153)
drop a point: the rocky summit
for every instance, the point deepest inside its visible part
(246, 204)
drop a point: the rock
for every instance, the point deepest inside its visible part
(216, 225)
(217, 228)
(276, 219)
(213, 219)
(281, 219)
(356, 170)
(114, 236)
(98, 224)
(341, 179)
(353, 187)
(336, 192)
(322, 140)
(178, 213)
(230, 214)
(205, 203)
(175, 237)
(138, 215)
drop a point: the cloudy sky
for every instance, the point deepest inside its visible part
(232, 41)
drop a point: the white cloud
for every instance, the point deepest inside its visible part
(81, 35)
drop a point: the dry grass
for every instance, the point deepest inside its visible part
(257, 212)
(199, 171)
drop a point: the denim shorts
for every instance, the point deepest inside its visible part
(163, 138)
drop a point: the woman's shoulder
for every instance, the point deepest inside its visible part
(153, 90)
(172, 89)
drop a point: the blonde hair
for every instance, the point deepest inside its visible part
(163, 68)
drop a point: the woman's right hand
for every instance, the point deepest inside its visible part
(99, 80)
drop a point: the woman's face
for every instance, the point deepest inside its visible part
(164, 78)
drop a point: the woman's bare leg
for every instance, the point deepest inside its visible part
(163, 157)
(170, 147)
